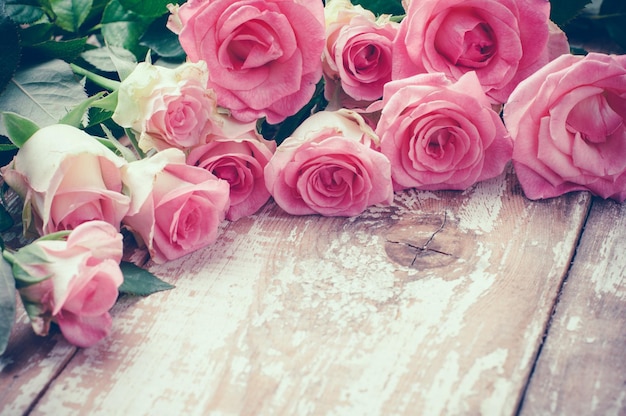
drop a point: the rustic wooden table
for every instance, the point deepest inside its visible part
(480, 302)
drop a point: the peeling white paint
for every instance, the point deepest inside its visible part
(573, 323)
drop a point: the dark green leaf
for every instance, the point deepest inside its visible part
(123, 28)
(152, 8)
(23, 11)
(613, 15)
(6, 221)
(42, 93)
(163, 41)
(70, 14)
(562, 11)
(7, 303)
(67, 50)
(19, 128)
(140, 282)
(379, 7)
(36, 33)
(98, 116)
(10, 50)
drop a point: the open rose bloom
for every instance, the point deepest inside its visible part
(503, 41)
(329, 166)
(440, 134)
(77, 282)
(358, 54)
(241, 163)
(66, 177)
(169, 107)
(568, 122)
(263, 56)
(175, 208)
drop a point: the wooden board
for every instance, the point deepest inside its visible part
(582, 367)
(436, 304)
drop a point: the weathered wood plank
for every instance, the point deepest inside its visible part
(582, 366)
(31, 362)
(436, 304)
(28, 365)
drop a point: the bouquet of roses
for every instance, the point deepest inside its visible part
(161, 121)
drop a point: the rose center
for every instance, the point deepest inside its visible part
(365, 58)
(466, 40)
(595, 117)
(252, 45)
(436, 144)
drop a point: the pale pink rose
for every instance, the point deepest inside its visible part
(568, 123)
(240, 162)
(264, 57)
(328, 166)
(169, 107)
(175, 208)
(357, 58)
(66, 177)
(440, 134)
(77, 281)
(503, 41)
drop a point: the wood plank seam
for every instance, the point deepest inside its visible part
(546, 331)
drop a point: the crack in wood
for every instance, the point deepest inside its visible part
(424, 247)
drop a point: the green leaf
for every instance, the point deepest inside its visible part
(67, 50)
(562, 11)
(70, 14)
(108, 102)
(613, 14)
(77, 114)
(36, 33)
(152, 8)
(7, 303)
(123, 28)
(23, 11)
(10, 50)
(123, 60)
(379, 7)
(42, 93)
(6, 221)
(111, 59)
(19, 129)
(140, 282)
(163, 41)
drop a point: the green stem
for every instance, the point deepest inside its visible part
(104, 82)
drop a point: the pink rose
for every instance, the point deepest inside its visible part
(503, 41)
(263, 56)
(66, 177)
(72, 282)
(175, 208)
(329, 166)
(240, 162)
(568, 123)
(357, 58)
(440, 134)
(169, 107)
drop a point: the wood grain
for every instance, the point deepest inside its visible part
(28, 365)
(582, 367)
(434, 305)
